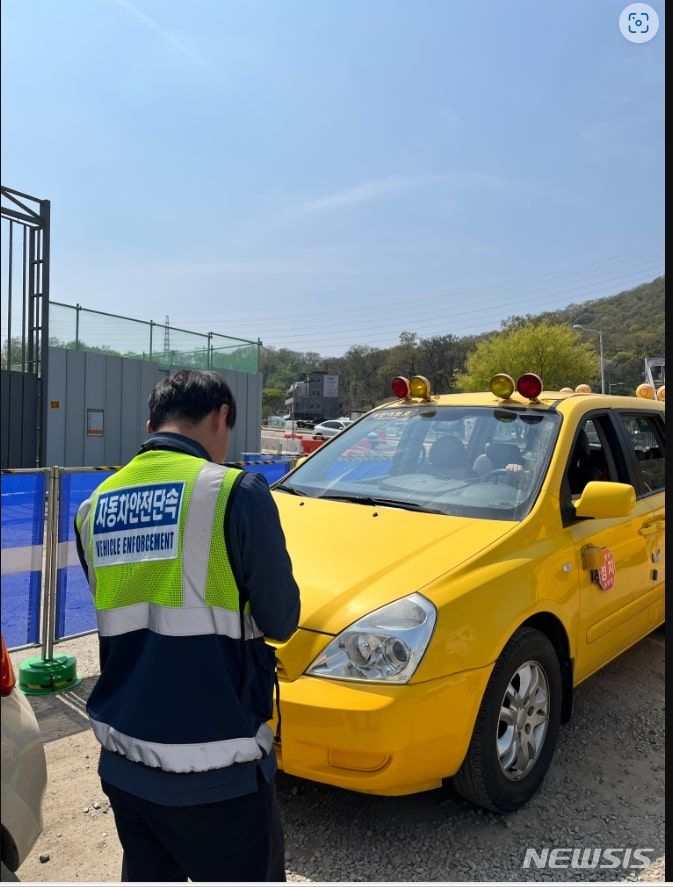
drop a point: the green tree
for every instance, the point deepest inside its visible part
(273, 402)
(360, 384)
(440, 358)
(400, 360)
(556, 352)
(632, 323)
(12, 354)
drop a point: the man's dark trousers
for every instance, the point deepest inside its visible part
(240, 839)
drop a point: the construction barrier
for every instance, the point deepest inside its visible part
(23, 522)
(272, 467)
(74, 613)
(312, 444)
(45, 594)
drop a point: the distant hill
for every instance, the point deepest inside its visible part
(632, 323)
(633, 327)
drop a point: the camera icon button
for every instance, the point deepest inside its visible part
(639, 22)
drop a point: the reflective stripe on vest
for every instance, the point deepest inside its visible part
(186, 757)
(175, 621)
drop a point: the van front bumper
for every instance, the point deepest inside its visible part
(387, 739)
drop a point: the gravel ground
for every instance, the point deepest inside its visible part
(604, 789)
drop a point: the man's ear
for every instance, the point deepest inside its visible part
(222, 414)
(148, 427)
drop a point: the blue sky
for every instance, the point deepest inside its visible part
(320, 173)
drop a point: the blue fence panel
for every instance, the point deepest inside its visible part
(272, 471)
(75, 611)
(23, 504)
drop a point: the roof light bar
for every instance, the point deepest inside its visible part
(529, 385)
(419, 386)
(646, 391)
(502, 385)
(400, 386)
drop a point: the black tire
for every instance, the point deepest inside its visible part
(6, 874)
(481, 779)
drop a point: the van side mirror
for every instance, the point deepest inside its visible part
(602, 498)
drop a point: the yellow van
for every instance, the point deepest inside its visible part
(464, 562)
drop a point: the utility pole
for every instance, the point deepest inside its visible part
(167, 335)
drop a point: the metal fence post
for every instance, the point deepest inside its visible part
(43, 404)
(49, 558)
(52, 578)
(77, 310)
(41, 675)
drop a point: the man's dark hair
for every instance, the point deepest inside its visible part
(190, 395)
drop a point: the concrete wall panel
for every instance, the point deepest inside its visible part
(94, 399)
(75, 408)
(56, 417)
(113, 410)
(119, 386)
(129, 410)
(253, 412)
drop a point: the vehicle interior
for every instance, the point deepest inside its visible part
(475, 461)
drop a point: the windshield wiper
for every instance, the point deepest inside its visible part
(378, 500)
(293, 490)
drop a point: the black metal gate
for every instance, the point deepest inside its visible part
(24, 328)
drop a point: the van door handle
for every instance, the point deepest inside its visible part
(650, 529)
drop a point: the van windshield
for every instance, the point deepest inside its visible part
(480, 462)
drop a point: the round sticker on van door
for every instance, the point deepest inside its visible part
(607, 573)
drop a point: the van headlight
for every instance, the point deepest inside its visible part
(387, 645)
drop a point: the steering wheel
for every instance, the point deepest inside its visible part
(497, 473)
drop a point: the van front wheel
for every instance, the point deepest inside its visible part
(517, 725)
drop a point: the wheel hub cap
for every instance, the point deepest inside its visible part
(522, 724)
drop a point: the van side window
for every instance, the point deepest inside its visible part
(647, 440)
(587, 459)
(596, 455)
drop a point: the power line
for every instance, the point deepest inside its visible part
(414, 319)
(575, 271)
(484, 307)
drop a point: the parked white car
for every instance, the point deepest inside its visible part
(330, 427)
(24, 772)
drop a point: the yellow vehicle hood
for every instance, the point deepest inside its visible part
(349, 559)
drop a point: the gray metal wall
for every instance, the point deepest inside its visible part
(81, 380)
(18, 419)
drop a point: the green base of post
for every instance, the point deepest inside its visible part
(40, 677)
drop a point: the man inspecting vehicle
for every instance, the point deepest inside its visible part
(187, 563)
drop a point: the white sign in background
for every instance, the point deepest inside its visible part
(330, 386)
